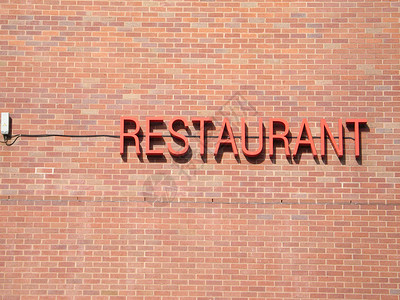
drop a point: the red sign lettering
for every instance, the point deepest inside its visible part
(278, 132)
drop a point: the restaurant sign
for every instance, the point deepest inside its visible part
(278, 132)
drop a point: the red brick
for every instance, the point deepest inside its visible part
(78, 220)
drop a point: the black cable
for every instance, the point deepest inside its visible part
(17, 136)
(70, 135)
(6, 139)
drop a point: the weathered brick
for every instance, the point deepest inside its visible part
(80, 221)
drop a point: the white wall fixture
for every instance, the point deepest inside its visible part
(5, 123)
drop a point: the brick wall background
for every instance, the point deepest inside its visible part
(79, 219)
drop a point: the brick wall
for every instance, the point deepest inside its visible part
(199, 251)
(79, 219)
